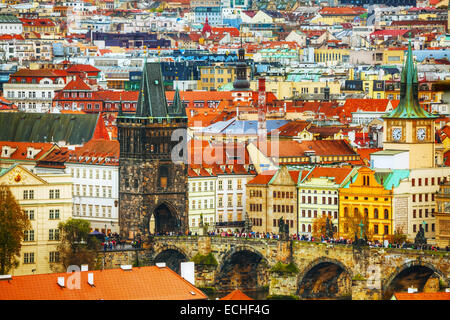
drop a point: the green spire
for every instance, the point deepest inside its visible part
(409, 106)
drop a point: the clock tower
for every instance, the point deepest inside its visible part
(409, 127)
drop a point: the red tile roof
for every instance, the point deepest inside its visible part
(263, 178)
(321, 148)
(236, 295)
(342, 11)
(422, 296)
(143, 283)
(77, 85)
(77, 68)
(21, 151)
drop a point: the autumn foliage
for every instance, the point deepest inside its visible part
(13, 223)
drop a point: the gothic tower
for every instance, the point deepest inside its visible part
(409, 127)
(153, 167)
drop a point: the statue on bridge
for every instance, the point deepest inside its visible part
(361, 241)
(283, 229)
(420, 237)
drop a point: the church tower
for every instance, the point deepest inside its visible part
(152, 167)
(409, 127)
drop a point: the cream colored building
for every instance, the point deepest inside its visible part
(288, 89)
(47, 200)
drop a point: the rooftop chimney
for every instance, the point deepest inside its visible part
(91, 279)
(126, 267)
(61, 281)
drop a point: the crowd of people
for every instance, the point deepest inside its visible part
(113, 242)
(298, 237)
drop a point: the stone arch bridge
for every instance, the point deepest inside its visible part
(322, 270)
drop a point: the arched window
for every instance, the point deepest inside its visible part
(355, 211)
(366, 213)
(303, 228)
(309, 228)
(375, 213)
(345, 212)
(386, 213)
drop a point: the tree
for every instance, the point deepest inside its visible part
(319, 227)
(13, 223)
(77, 247)
(398, 237)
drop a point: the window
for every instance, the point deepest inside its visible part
(375, 229)
(230, 184)
(28, 235)
(54, 194)
(54, 214)
(28, 194)
(28, 257)
(386, 229)
(163, 176)
(53, 257)
(375, 213)
(53, 234)
(30, 214)
(220, 187)
(414, 228)
(386, 214)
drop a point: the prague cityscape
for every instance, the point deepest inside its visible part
(224, 150)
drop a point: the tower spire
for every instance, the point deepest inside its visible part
(409, 106)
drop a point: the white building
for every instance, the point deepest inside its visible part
(95, 173)
(10, 24)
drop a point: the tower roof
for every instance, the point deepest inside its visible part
(409, 106)
(152, 98)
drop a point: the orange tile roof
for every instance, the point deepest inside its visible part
(22, 150)
(422, 296)
(236, 295)
(76, 85)
(142, 283)
(365, 153)
(263, 178)
(370, 105)
(321, 147)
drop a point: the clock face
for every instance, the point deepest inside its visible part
(397, 134)
(421, 134)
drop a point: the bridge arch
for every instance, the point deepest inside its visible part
(417, 274)
(172, 256)
(242, 267)
(324, 278)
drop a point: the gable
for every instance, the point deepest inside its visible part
(19, 176)
(282, 177)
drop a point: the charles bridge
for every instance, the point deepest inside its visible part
(307, 269)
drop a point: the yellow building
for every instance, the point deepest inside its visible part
(367, 197)
(393, 56)
(47, 200)
(331, 56)
(215, 76)
(289, 89)
(443, 216)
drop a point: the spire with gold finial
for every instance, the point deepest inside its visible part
(409, 106)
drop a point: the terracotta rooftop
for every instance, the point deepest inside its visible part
(422, 296)
(143, 283)
(236, 295)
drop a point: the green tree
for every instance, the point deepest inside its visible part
(77, 247)
(13, 223)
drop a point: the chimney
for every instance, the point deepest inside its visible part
(187, 271)
(127, 267)
(61, 282)
(91, 279)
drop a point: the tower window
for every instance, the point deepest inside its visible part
(163, 176)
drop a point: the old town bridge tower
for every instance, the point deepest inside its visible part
(152, 167)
